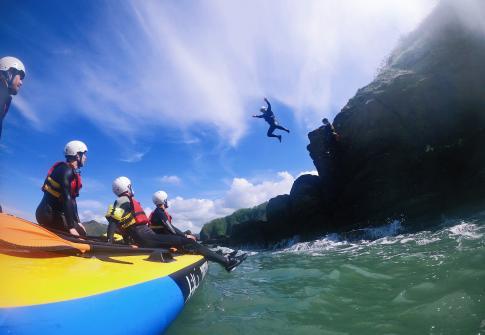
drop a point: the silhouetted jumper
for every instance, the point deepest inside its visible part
(268, 116)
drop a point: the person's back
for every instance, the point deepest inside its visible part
(269, 117)
(58, 208)
(160, 222)
(119, 217)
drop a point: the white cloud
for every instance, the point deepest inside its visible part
(91, 210)
(92, 185)
(193, 213)
(88, 215)
(133, 156)
(27, 111)
(312, 172)
(145, 67)
(90, 204)
(246, 194)
(170, 180)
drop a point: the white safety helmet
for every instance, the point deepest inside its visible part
(74, 147)
(6, 63)
(160, 198)
(122, 185)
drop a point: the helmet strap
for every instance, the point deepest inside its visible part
(9, 76)
(79, 159)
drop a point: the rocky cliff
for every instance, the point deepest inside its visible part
(410, 144)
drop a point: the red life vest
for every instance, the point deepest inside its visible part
(138, 212)
(168, 215)
(54, 188)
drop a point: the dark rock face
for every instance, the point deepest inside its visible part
(411, 143)
(411, 140)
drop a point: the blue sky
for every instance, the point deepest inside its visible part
(163, 92)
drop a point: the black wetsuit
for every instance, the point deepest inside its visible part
(269, 117)
(160, 223)
(330, 138)
(5, 100)
(145, 237)
(60, 213)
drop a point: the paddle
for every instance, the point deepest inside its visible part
(18, 234)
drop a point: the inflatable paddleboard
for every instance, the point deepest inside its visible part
(50, 285)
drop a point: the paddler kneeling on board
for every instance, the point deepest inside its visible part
(130, 217)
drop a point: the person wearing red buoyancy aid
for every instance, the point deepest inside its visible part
(128, 215)
(58, 208)
(161, 220)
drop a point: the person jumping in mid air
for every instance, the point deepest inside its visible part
(269, 117)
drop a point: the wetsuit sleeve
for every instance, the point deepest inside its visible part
(5, 100)
(69, 204)
(111, 231)
(76, 214)
(269, 105)
(164, 220)
(177, 231)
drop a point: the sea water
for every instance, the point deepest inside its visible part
(375, 281)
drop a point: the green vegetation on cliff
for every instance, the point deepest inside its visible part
(222, 227)
(94, 228)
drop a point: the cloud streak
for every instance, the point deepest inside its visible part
(174, 180)
(155, 64)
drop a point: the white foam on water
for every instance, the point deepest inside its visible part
(360, 237)
(467, 230)
(226, 250)
(388, 234)
(366, 273)
(328, 242)
(391, 229)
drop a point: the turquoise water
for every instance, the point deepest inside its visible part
(422, 283)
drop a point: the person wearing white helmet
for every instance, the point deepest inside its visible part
(161, 220)
(12, 74)
(58, 208)
(268, 116)
(130, 218)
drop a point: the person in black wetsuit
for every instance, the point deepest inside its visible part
(161, 220)
(330, 137)
(58, 208)
(128, 215)
(12, 73)
(268, 116)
